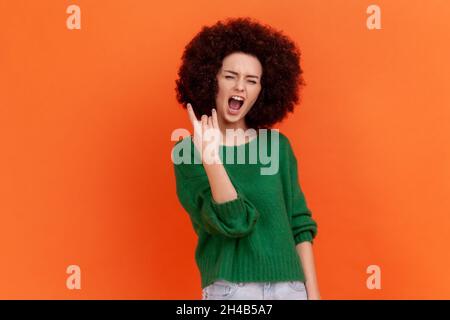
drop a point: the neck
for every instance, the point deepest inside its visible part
(242, 137)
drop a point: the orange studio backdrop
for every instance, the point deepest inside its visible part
(87, 108)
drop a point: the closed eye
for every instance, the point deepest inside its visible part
(231, 77)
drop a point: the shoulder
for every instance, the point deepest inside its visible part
(287, 152)
(186, 139)
(283, 140)
(273, 134)
(186, 159)
(179, 149)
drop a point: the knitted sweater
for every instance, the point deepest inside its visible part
(252, 238)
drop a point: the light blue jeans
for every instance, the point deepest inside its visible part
(226, 290)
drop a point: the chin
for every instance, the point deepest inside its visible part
(233, 118)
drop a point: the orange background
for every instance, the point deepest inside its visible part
(85, 123)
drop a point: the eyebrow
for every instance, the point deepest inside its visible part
(235, 73)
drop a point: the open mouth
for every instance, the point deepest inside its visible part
(234, 104)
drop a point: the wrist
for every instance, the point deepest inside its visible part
(211, 161)
(313, 293)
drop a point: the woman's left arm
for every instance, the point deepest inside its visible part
(305, 251)
(304, 227)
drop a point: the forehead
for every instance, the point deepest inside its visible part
(242, 63)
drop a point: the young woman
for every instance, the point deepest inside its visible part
(255, 231)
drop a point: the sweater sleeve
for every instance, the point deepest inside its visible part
(304, 228)
(233, 219)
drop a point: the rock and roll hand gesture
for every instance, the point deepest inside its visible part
(207, 136)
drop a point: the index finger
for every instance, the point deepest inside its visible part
(191, 112)
(193, 118)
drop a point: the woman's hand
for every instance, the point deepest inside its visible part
(313, 292)
(207, 136)
(305, 252)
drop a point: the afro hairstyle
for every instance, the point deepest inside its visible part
(279, 56)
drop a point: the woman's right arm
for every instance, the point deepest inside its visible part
(222, 188)
(215, 204)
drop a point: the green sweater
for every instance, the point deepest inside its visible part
(253, 237)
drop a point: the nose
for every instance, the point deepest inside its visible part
(240, 85)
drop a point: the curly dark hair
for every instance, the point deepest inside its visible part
(278, 55)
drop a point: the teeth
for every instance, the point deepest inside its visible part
(237, 98)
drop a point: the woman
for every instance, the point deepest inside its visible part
(255, 231)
